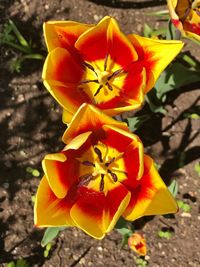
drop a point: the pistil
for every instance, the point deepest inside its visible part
(99, 169)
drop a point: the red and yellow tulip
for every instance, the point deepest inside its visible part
(100, 175)
(185, 16)
(99, 65)
(137, 243)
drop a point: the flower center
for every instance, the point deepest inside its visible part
(103, 80)
(101, 168)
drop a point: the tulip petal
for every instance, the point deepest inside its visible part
(69, 97)
(154, 55)
(67, 116)
(61, 66)
(63, 33)
(151, 196)
(89, 118)
(49, 210)
(103, 39)
(132, 149)
(61, 172)
(96, 213)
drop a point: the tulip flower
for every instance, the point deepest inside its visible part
(99, 65)
(185, 15)
(137, 243)
(100, 175)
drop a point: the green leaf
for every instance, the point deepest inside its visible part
(48, 246)
(159, 13)
(125, 231)
(174, 77)
(46, 253)
(35, 173)
(21, 263)
(165, 234)
(159, 32)
(33, 198)
(173, 188)
(188, 59)
(154, 103)
(34, 56)
(20, 38)
(197, 168)
(29, 169)
(135, 122)
(147, 30)
(121, 223)
(10, 264)
(50, 234)
(184, 206)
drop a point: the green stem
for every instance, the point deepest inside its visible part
(190, 61)
(34, 56)
(16, 46)
(20, 38)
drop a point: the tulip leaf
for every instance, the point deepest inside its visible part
(135, 122)
(147, 30)
(125, 231)
(50, 234)
(173, 188)
(174, 77)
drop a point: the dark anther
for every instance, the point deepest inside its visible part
(85, 179)
(101, 187)
(109, 87)
(114, 176)
(88, 81)
(98, 152)
(98, 90)
(198, 12)
(109, 162)
(88, 163)
(187, 11)
(105, 62)
(90, 67)
(115, 74)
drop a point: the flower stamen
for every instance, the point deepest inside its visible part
(99, 154)
(89, 81)
(105, 62)
(115, 73)
(98, 90)
(89, 66)
(110, 162)
(113, 175)
(109, 87)
(88, 163)
(187, 12)
(101, 186)
(85, 179)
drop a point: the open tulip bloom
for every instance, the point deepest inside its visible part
(185, 16)
(99, 65)
(101, 174)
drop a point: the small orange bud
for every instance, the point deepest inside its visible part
(137, 243)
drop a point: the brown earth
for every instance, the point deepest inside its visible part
(31, 127)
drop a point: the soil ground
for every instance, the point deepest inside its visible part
(31, 127)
